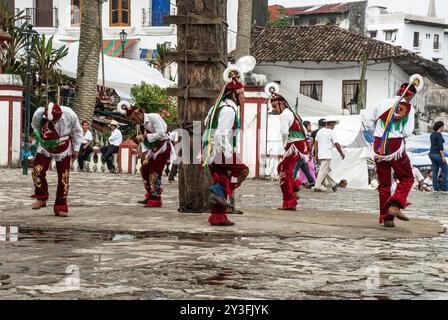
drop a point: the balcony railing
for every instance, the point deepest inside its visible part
(42, 18)
(152, 18)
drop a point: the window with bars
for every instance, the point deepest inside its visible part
(76, 12)
(436, 42)
(350, 92)
(312, 89)
(120, 13)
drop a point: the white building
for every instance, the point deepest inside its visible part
(142, 20)
(424, 35)
(325, 62)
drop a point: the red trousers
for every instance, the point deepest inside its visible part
(230, 173)
(40, 168)
(403, 172)
(151, 172)
(288, 182)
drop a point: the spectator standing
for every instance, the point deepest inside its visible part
(86, 145)
(325, 141)
(115, 140)
(437, 156)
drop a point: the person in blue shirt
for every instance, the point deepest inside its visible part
(437, 156)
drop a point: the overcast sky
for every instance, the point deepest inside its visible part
(408, 6)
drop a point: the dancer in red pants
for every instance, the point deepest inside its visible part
(220, 142)
(295, 144)
(159, 150)
(59, 135)
(394, 155)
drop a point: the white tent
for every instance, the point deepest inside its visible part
(120, 74)
(357, 150)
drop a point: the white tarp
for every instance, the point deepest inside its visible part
(418, 149)
(120, 74)
(349, 132)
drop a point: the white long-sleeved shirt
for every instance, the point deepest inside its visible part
(223, 134)
(374, 124)
(156, 127)
(286, 120)
(116, 138)
(68, 125)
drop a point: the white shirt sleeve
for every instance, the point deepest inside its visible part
(409, 126)
(77, 134)
(418, 175)
(88, 136)
(36, 117)
(159, 127)
(224, 132)
(286, 120)
(334, 137)
(370, 121)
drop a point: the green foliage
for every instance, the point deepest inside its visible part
(154, 99)
(161, 61)
(282, 21)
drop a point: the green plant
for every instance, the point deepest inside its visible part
(154, 99)
(45, 58)
(161, 61)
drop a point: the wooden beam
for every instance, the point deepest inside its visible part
(195, 56)
(194, 93)
(193, 19)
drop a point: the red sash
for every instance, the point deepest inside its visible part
(394, 144)
(48, 132)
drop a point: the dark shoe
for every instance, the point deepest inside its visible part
(310, 185)
(143, 201)
(389, 224)
(335, 188)
(39, 204)
(288, 209)
(216, 199)
(318, 190)
(234, 211)
(224, 224)
(396, 212)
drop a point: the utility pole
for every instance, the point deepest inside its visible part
(362, 84)
(202, 57)
(244, 28)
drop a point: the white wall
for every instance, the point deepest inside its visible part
(405, 35)
(380, 85)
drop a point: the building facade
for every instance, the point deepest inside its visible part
(424, 35)
(142, 20)
(349, 15)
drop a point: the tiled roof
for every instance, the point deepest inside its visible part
(320, 43)
(333, 44)
(328, 8)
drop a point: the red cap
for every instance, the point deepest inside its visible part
(53, 112)
(277, 98)
(234, 85)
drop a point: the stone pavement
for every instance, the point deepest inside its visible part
(332, 248)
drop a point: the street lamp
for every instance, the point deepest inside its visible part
(29, 46)
(123, 37)
(352, 107)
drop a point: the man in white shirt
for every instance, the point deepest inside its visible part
(59, 136)
(325, 141)
(115, 139)
(86, 145)
(159, 150)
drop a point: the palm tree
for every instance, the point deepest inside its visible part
(45, 58)
(161, 61)
(88, 59)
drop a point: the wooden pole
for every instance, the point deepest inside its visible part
(201, 58)
(362, 84)
(244, 28)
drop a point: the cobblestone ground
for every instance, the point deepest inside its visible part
(172, 267)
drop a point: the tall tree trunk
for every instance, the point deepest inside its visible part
(88, 60)
(203, 38)
(244, 28)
